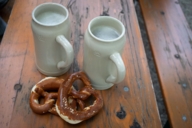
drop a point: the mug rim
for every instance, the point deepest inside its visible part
(49, 3)
(107, 17)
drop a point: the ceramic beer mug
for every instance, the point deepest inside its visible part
(51, 31)
(103, 44)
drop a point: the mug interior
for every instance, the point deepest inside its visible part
(49, 14)
(105, 28)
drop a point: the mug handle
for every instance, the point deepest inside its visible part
(117, 60)
(69, 52)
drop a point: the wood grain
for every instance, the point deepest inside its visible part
(171, 43)
(133, 107)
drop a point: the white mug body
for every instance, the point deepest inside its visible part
(101, 56)
(50, 53)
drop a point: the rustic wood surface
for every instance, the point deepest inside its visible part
(171, 42)
(129, 104)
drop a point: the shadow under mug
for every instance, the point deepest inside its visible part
(51, 31)
(103, 44)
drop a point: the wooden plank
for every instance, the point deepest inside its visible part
(171, 43)
(138, 104)
(12, 55)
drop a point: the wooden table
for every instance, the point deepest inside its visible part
(171, 43)
(131, 103)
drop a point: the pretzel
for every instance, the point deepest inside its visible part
(72, 115)
(40, 90)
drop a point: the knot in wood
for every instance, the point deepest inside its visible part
(135, 124)
(121, 114)
(177, 56)
(162, 13)
(18, 87)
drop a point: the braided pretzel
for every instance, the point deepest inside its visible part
(40, 90)
(72, 115)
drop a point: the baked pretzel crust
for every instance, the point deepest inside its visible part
(40, 90)
(71, 115)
